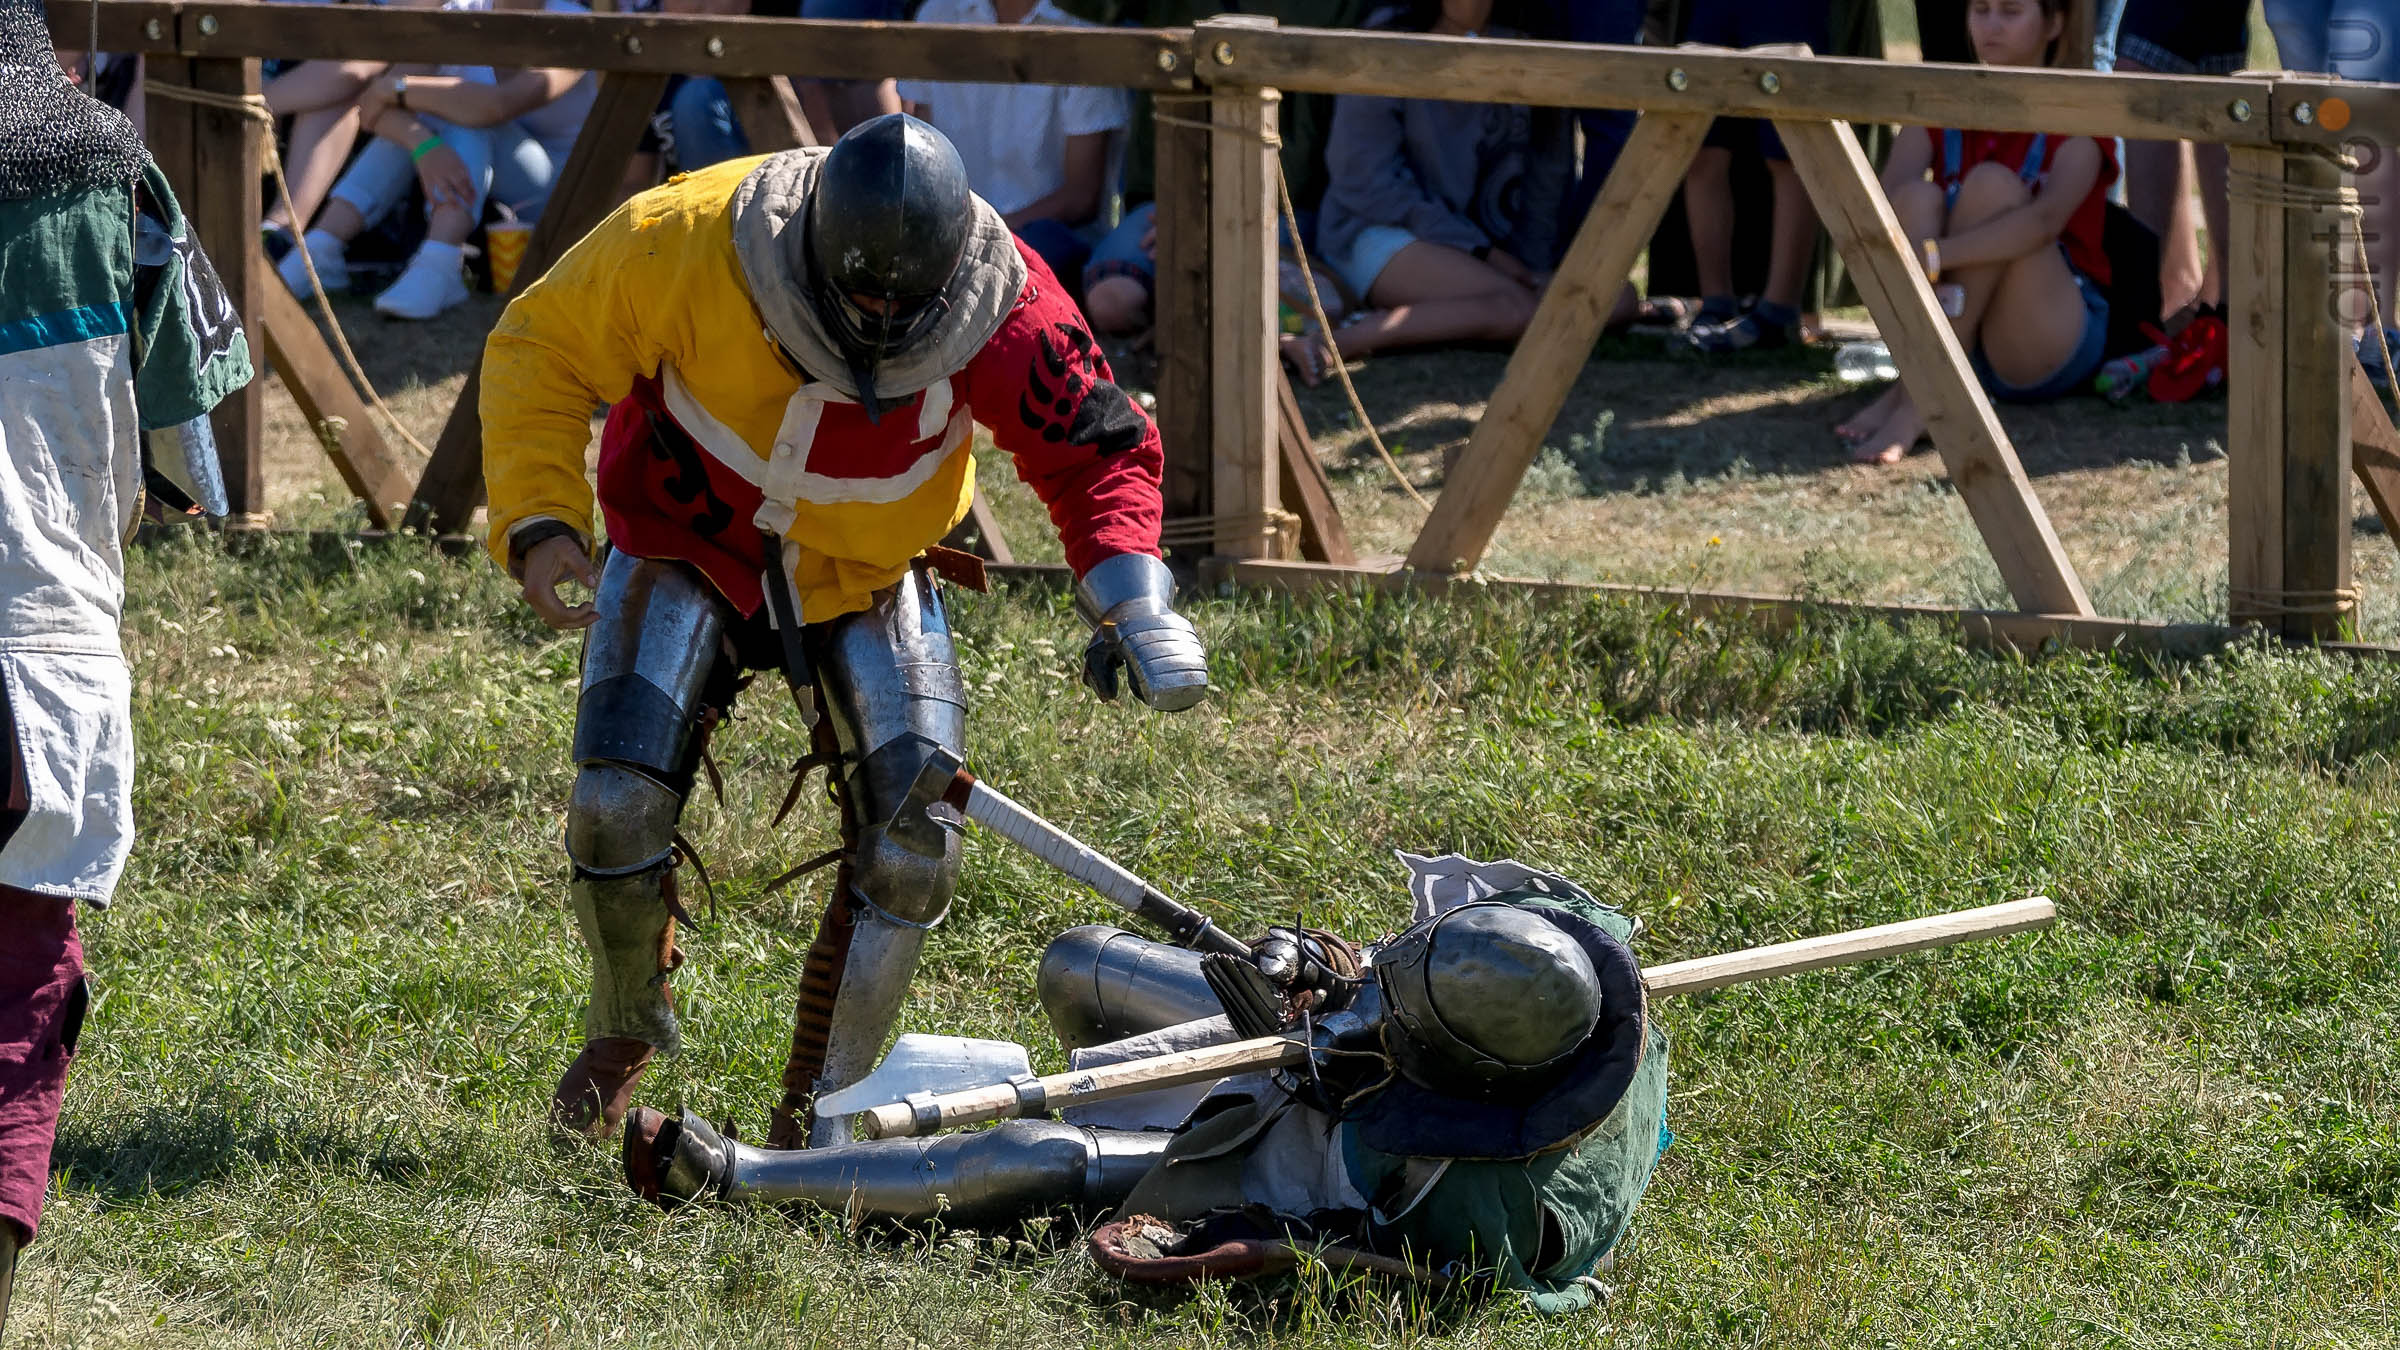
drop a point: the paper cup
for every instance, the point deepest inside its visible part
(505, 241)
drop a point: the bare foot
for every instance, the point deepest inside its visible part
(1868, 420)
(1309, 356)
(1894, 439)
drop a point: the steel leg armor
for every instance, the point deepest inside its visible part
(889, 681)
(646, 666)
(1012, 1171)
(1102, 984)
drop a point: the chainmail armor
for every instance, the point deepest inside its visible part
(54, 138)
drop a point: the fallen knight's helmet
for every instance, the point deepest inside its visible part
(1514, 1025)
(889, 221)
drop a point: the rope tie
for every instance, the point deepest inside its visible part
(2242, 185)
(254, 107)
(1278, 525)
(1308, 276)
(2260, 601)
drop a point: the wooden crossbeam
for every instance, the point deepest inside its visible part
(586, 192)
(1933, 366)
(1307, 492)
(2375, 450)
(1558, 341)
(1736, 83)
(331, 406)
(695, 44)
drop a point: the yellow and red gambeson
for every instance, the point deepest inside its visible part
(711, 430)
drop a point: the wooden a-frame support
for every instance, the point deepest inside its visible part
(1558, 341)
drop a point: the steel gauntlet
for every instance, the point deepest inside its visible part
(1129, 601)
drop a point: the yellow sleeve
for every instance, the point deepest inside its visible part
(572, 342)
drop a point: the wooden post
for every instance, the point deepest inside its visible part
(1973, 445)
(2317, 357)
(2254, 366)
(1179, 310)
(2288, 475)
(1242, 215)
(1558, 341)
(214, 159)
(586, 192)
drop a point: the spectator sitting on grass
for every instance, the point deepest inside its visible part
(2015, 223)
(321, 100)
(1721, 327)
(469, 132)
(1443, 216)
(1040, 154)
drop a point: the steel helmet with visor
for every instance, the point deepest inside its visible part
(888, 225)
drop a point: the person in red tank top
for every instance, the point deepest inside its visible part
(2010, 229)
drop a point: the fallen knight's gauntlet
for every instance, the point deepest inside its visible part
(1129, 601)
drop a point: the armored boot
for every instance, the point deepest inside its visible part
(646, 668)
(1013, 1171)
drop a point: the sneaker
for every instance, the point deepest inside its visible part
(1759, 330)
(431, 284)
(277, 241)
(333, 265)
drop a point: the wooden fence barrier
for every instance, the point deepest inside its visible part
(2302, 420)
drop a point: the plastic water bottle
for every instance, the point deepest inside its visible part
(2121, 377)
(1865, 363)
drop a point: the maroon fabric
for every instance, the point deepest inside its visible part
(1040, 384)
(41, 1011)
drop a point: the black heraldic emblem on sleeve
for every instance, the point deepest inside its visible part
(1067, 399)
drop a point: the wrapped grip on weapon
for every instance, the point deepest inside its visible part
(1187, 926)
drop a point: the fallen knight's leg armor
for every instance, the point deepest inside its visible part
(888, 679)
(988, 1177)
(647, 664)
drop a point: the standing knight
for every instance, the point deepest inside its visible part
(795, 351)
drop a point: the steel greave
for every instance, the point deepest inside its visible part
(631, 936)
(1013, 1171)
(890, 683)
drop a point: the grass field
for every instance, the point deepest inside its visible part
(340, 976)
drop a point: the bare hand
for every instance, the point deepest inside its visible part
(446, 179)
(546, 565)
(374, 101)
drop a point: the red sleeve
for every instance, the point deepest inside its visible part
(1086, 448)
